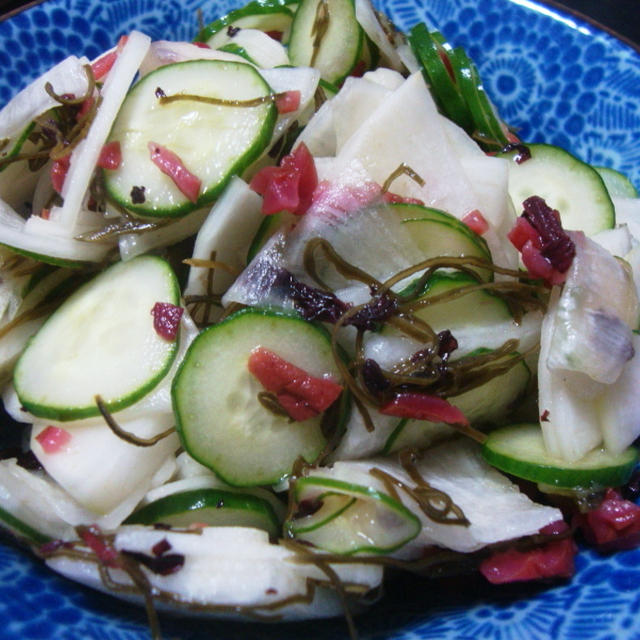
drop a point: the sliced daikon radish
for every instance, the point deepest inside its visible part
(99, 469)
(86, 154)
(385, 140)
(67, 77)
(233, 572)
(225, 235)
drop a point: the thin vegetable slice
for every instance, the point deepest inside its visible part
(239, 430)
(215, 117)
(209, 507)
(101, 341)
(326, 35)
(350, 518)
(520, 451)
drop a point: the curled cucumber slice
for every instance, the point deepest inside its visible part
(519, 450)
(349, 518)
(100, 341)
(213, 507)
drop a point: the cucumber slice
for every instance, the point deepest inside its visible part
(229, 431)
(213, 507)
(440, 234)
(268, 226)
(197, 132)
(488, 403)
(351, 518)
(519, 450)
(567, 184)
(266, 15)
(429, 49)
(488, 129)
(326, 35)
(618, 185)
(100, 341)
(476, 308)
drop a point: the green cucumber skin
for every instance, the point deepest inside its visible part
(414, 213)
(293, 530)
(207, 196)
(19, 529)
(552, 154)
(447, 94)
(55, 262)
(347, 488)
(344, 400)
(64, 414)
(549, 472)
(256, 8)
(618, 185)
(197, 499)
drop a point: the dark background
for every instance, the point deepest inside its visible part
(621, 16)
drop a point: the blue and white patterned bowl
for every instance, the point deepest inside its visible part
(553, 76)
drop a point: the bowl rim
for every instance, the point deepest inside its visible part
(554, 4)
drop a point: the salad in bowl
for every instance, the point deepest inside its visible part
(291, 307)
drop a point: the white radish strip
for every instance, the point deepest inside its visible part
(233, 220)
(389, 137)
(302, 79)
(135, 244)
(67, 77)
(570, 425)
(366, 16)
(266, 52)
(14, 233)
(95, 458)
(232, 568)
(163, 52)
(85, 156)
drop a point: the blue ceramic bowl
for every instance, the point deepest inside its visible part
(555, 77)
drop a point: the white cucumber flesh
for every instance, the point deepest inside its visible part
(350, 518)
(213, 141)
(326, 35)
(101, 341)
(438, 233)
(219, 418)
(566, 184)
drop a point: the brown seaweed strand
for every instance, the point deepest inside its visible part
(343, 267)
(64, 100)
(270, 402)
(77, 134)
(319, 29)
(402, 169)
(435, 504)
(30, 314)
(127, 436)
(407, 460)
(211, 264)
(219, 102)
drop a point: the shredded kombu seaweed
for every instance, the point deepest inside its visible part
(127, 436)
(431, 369)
